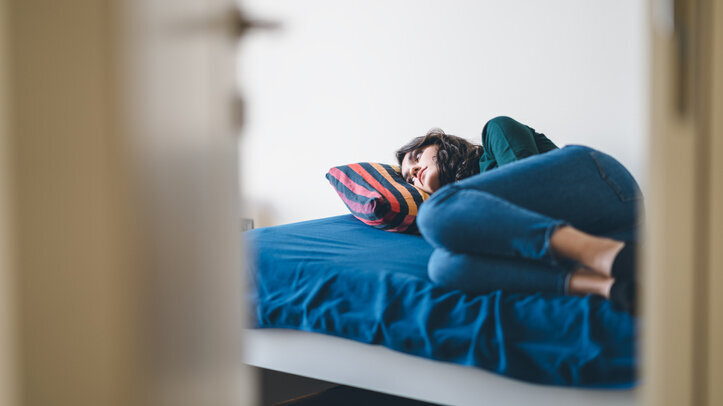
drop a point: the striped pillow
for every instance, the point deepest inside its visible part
(377, 195)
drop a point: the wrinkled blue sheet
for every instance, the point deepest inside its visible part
(338, 276)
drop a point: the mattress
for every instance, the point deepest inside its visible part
(339, 277)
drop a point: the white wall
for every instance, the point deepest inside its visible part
(349, 81)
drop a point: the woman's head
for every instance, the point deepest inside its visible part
(436, 159)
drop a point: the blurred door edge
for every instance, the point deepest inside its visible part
(119, 241)
(682, 324)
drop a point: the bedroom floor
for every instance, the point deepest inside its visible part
(348, 396)
(280, 389)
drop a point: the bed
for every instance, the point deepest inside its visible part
(336, 300)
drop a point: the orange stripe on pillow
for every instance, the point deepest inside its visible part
(411, 203)
(393, 202)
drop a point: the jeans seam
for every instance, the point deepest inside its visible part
(606, 178)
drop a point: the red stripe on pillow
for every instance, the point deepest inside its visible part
(351, 185)
(371, 222)
(378, 186)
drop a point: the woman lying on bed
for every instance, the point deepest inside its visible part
(522, 215)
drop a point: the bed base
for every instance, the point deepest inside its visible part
(380, 369)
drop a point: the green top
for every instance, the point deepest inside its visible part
(506, 140)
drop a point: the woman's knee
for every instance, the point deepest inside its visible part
(430, 210)
(433, 219)
(442, 266)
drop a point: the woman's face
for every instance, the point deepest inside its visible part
(419, 167)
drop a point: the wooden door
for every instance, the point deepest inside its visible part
(682, 324)
(119, 204)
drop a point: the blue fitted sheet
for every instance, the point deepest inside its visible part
(338, 276)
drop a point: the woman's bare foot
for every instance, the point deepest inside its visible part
(594, 253)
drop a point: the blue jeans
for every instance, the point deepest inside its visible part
(492, 231)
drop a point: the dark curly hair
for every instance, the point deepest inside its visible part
(457, 158)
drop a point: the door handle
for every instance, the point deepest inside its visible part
(232, 22)
(240, 24)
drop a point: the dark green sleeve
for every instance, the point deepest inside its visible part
(506, 140)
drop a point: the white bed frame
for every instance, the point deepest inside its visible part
(380, 369)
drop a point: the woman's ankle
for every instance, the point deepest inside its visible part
(583, 282)
(601, 255)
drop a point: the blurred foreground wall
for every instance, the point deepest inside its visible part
(120, 280)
